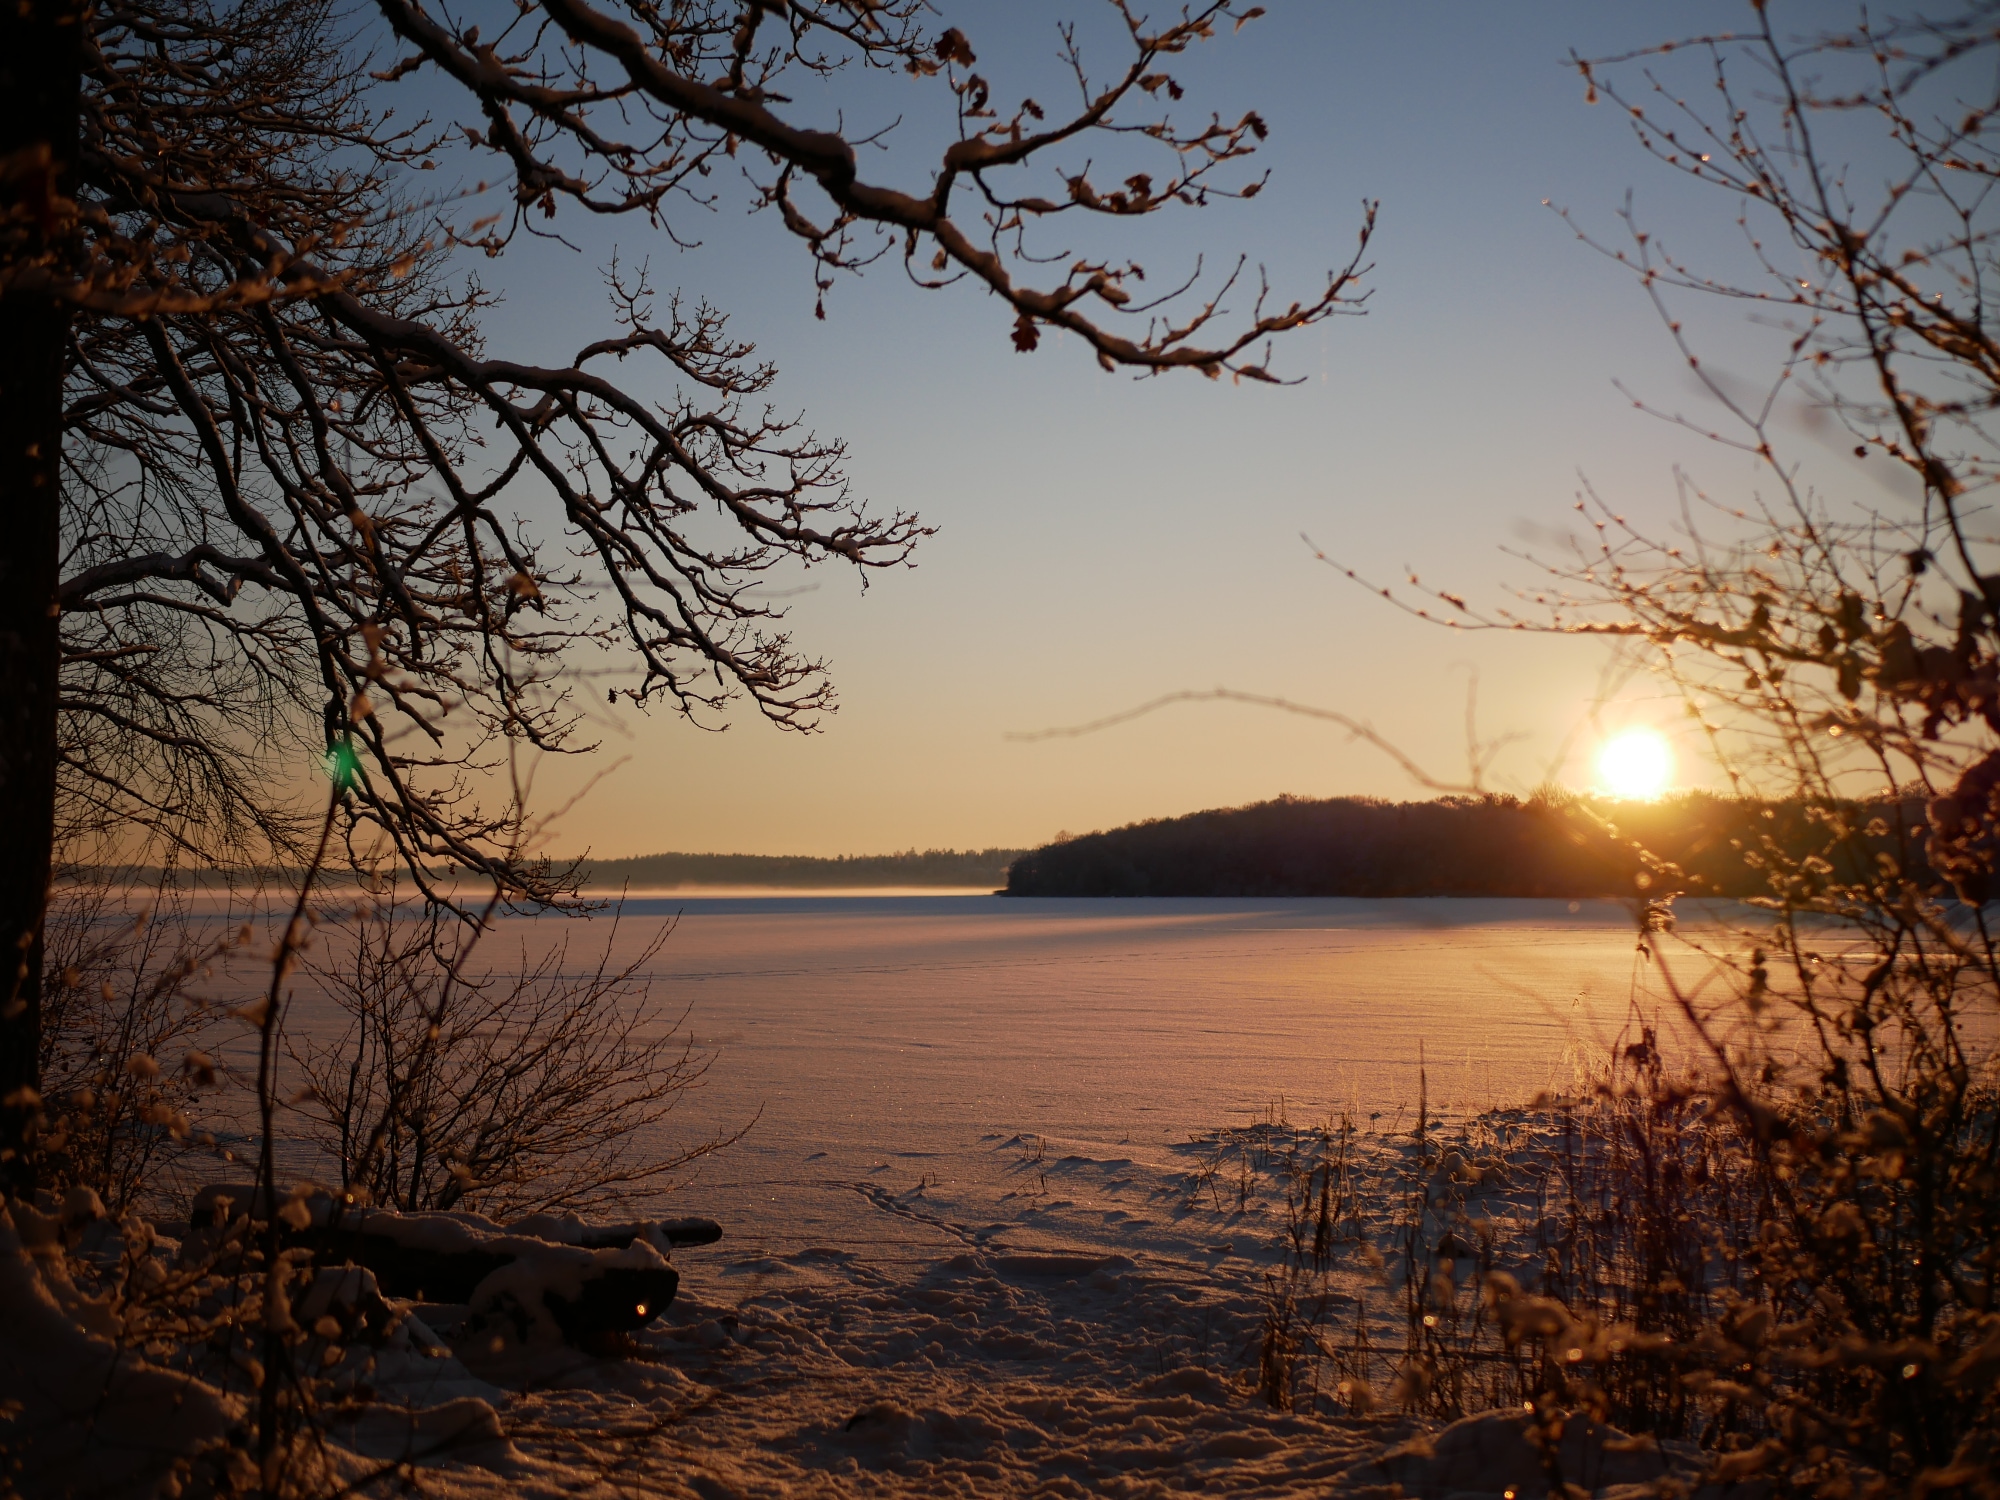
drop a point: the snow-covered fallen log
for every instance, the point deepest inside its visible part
(582, 1280)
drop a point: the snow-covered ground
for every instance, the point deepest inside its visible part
(885, 1046)
(1003, 1222)
(992, 1232)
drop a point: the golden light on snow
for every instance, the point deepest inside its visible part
(1636, 763)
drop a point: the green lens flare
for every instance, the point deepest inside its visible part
(342, 764)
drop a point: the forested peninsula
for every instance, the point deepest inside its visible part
(1548, 846)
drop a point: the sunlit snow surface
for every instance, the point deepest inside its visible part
(987, 1234)
(892, 1041)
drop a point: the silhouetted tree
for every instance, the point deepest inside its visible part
(253, 450)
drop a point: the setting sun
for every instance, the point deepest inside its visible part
(1636, 763)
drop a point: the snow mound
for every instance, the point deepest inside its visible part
(87, 1416)
(1496, 1456)
(465, 1430)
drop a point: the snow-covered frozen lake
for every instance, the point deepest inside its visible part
(1007, 1217)
(881, 1048)
(885, 1044)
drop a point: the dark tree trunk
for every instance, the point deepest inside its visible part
(40, 86)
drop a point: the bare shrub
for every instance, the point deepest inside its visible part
(1785, 1266)
(1788, 1253)
(126, 1051)
(1795, 1278)
(539, 1089)
(223, 1369)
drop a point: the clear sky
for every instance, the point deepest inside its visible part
(1103, 540)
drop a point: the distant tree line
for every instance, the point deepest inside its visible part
(1550, 845)
(985, 868)
(936, 867)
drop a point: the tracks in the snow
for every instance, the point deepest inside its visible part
(890, 1203)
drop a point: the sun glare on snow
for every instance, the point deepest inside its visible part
(1636, 763)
